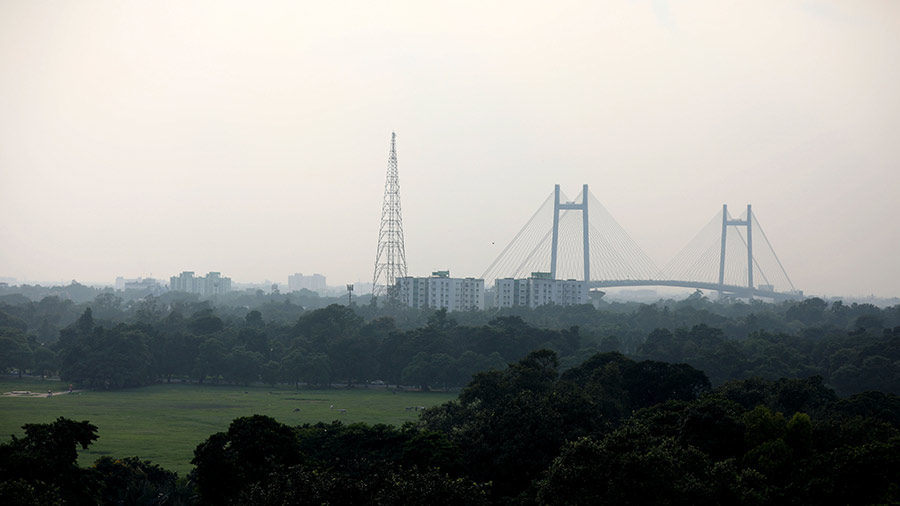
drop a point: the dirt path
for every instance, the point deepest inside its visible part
(27, 393)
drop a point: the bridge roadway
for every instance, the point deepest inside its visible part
(739, 291)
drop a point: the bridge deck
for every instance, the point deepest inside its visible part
(740, 291)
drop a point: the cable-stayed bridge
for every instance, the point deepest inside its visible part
(579, 239)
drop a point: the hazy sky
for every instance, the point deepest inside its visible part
(251, 138)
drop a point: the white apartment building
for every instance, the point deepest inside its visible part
(509, 292)
(185, 282)
(441, 291)
(141, 284)
(538, 290)
(211, 284)
(215, 284)
(314, 282)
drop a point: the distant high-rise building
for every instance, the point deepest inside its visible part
(184, 282)
(314, 282)
(538, 290)
(211, 284)
(142, 284)
(214, 284)
(440, 291)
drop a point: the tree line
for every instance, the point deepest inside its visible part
(854, 348)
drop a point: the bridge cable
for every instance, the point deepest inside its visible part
(769, 244)
(511, 243)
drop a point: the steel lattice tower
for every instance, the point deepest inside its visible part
(390, 261)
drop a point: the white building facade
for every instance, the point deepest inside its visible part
(215, 284)
(141, 284)
(211, 284)
(440, 291)
(313, 282)
(185, 282)
(538, 290)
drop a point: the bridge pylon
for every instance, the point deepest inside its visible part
(557, 236)
(748, 223)
(611, 259)
(583, 207)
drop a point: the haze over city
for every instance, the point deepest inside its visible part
(147, 139)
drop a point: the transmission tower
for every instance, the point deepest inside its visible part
(390, 261)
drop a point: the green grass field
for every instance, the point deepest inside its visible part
(164, 423)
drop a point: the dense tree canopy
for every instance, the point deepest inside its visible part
(611, 430)
(853, 348)
(726, 403)
(591, 435)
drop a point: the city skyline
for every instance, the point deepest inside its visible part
(142, 140)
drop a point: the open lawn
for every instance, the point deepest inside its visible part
(164, 423)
